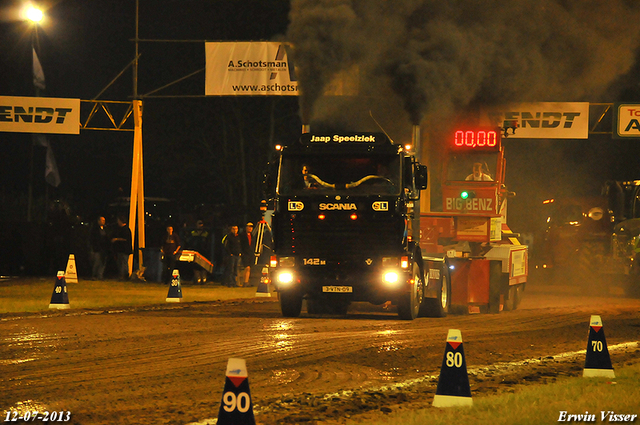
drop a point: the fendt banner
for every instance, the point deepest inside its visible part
(249, 69)
(543, 120)
(39, 115)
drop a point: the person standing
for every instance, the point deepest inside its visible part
(122, 245)
(99, 247)
(232, 251)
(247, 243)
(169, 248)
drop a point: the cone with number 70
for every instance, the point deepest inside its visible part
(453, 384)
(597, 362)
(236, 407)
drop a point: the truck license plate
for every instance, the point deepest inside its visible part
(337, 289)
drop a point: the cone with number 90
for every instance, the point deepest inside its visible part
(236, 407)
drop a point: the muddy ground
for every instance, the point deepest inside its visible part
(166, 364)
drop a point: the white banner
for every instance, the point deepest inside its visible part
(249, 69)
(543, 120)
(39, 115)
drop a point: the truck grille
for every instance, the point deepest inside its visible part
(339, 236)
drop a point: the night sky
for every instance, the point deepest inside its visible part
(84, 45)
(189, 151)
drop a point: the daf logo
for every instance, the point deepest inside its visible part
(343, 207)
(296, 206)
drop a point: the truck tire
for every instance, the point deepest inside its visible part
(498, 286)
(519, 293)
(290, 303)
(515, 296)
(409, 303)
(588, 262)
(438, 307)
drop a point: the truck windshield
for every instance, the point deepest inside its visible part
(328, 174)
(477, 167)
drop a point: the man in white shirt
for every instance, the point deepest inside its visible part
(478, 175)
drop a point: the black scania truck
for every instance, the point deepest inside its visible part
(343, 227)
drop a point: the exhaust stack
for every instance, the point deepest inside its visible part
(415, 140)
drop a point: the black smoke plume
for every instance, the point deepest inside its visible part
(447, 56)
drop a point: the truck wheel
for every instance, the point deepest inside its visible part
(498, 285)
(438, 307)
(290, 303)
(510, 303)
(409, 304)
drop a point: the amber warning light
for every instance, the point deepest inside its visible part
(477, 139)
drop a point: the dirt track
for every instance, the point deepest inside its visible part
(166, 364)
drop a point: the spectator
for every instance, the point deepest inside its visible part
(247, 243)
(99, 248)
(122, 245)
(169, 248)
(232, 251)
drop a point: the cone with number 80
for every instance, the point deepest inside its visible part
(597, 362)
(453, 384)
(236, 407)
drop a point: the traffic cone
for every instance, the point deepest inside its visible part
(453, 384)
(175, 289)
(597, 362)
(71, 273)
(60, 297)
(236, 407)
(263, 286)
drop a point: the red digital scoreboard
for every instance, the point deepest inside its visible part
(480, 140)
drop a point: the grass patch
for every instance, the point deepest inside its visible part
(33, 295)
(539, 404)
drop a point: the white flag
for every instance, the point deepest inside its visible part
(38, 73)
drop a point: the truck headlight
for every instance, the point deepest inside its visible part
(390, 278)
(285, 278)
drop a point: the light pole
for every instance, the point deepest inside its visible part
(34, 15)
